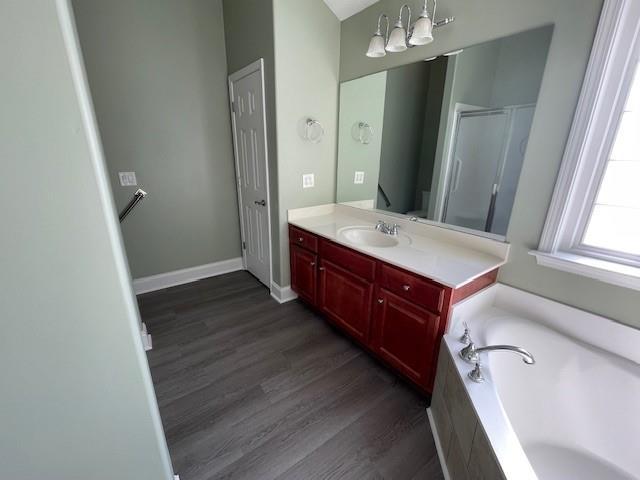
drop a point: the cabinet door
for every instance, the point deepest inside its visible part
(303, 274)
(405, 335)
(346, 299)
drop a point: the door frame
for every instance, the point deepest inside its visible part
(257, 66)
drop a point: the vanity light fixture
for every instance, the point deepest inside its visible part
(398, 39)
(378, 41)
(423, 28)
(403, 37)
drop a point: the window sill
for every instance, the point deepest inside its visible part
(615, 273)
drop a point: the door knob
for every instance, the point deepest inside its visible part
(261, 202)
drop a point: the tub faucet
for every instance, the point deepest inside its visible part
(471, 354)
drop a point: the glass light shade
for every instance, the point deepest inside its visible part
(397, 40)
(376, 47)
(422, 32)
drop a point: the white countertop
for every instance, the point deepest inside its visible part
(446, 256)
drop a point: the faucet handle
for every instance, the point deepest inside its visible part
(469, 354)
(476, 374)
(466, 336)
(394, 229)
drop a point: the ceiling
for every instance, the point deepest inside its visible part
(345, 8)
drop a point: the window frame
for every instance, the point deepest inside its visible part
(610, 73)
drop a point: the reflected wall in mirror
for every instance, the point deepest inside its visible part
(445, 137)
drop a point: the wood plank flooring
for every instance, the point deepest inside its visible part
(250, 389)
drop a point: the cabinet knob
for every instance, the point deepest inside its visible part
(406, 288)
(313, 264)
(300, 239)
(380, 301)
(321, 269)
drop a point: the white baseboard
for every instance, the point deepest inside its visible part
(147, 343)
(282, 294)
(441, 453)
(186, 275)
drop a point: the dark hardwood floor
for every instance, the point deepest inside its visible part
(250, 389)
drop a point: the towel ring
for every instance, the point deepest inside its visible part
(362, 132)
(313, 131)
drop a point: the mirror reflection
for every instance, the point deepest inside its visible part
(443, 139)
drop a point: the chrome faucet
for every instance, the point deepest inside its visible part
(471, 354)
(387, 228)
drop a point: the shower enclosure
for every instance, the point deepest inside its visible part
(485, 162)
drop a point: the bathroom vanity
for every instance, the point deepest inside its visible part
(390, 293)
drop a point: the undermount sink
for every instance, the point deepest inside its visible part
(370, 237)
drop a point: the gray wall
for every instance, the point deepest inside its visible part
(402, 136)
(307, 50)
(575, 23)
(361, 100)
(520, 67)
(77, 400)
(248, 26)
(158, 76)
(432, 114)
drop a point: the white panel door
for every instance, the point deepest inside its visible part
(251, 170)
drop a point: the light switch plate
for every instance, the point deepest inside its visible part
(128, 179)
(308, 180)
(358, 178)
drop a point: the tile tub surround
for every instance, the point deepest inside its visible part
(463, 447)
(446, 256)
(571, 415)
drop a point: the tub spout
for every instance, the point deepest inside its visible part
(471, 354)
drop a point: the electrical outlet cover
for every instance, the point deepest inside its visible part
(358, 178)
(308, 180)
(128, 179)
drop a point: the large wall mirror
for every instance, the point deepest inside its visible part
(443, 139)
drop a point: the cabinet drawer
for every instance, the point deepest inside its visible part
(303, 239)
(360, 265)
(411, 287)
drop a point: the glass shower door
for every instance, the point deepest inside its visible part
(476, 160)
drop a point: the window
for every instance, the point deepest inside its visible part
(614, 223)
(593, 225)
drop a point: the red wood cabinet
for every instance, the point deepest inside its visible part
(405, 335)
(345, 299)
(303, 273)
(397, 315)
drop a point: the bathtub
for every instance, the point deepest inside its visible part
(575, 414)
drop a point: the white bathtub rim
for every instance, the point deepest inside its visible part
(585, 327)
